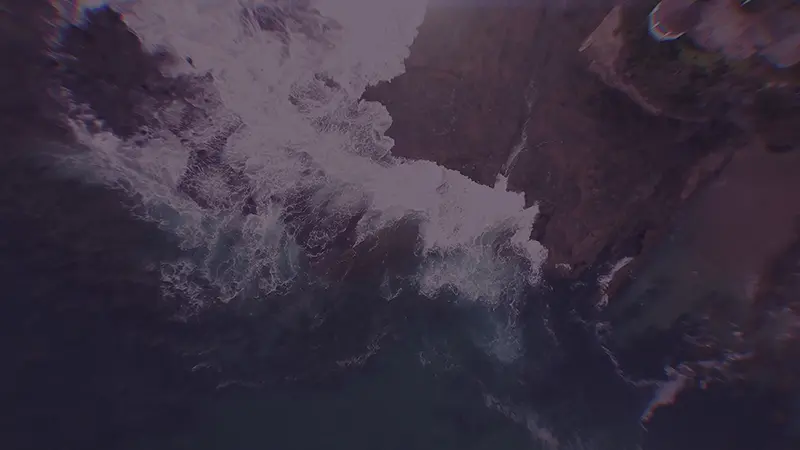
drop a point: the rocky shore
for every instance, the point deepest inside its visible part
(679, 155)
(663, 134)
(601, 167)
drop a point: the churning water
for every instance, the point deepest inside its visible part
(293, 160)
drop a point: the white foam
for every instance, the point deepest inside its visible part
(303, 126)
(604, 281)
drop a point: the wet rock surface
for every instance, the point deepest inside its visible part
(691, 79)
(28, 105)
(462, 100)
(94, 353)
(604, 171)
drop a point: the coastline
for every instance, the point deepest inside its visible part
(622, 170)
(576, 129)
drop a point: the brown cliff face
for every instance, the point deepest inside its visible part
(27, 106)
(775, 325)
(461, 102)
(610, 170)
(687, 81)
(480, 78)
(632, 147)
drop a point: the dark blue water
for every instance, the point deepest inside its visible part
(94, 358)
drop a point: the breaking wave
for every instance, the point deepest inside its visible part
(273, 167)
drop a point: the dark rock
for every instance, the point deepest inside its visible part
(461, 101)
(770, 30)
(81, 318)
(603, 164)
(775, 322)
(29, 104)
(104, 66)
(623, 164)
(608, 164)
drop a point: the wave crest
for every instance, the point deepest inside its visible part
(273, 160)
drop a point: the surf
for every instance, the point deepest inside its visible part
(276, 177)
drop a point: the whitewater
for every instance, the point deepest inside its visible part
(298, 159)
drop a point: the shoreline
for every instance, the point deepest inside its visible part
(592, 215)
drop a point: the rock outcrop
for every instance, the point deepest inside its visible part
(461, 101)
(603, 169)
(27, 105)
(713, 68)
(609, 158)
(665, 136)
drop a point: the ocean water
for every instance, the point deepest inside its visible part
(101, 358)
(255, 269)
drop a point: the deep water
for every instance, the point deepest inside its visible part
(93, 357)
